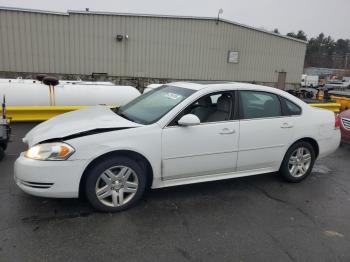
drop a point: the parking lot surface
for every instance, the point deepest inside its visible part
(258, 218)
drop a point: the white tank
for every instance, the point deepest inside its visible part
(68, 93)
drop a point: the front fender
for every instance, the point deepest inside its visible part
(145, 141)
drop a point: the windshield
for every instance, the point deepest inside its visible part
(152, 106)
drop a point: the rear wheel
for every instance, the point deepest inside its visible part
(298, 162)
(115, 184)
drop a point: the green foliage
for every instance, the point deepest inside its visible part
(324, 51)
(276, 31)
(300, 35)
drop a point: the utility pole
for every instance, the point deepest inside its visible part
(346, 60)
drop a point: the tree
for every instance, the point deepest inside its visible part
(342, 46)
(300, 35)
(292, 34)
(276, 31)
(324, 51)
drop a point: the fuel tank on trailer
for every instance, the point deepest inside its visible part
(26, 92)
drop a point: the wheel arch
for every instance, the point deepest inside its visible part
(312, 142)
(285, 162)
(125, 153)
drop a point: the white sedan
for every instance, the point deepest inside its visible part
(179, 133)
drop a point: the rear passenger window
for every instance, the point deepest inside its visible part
(291, 109)
(255, 104)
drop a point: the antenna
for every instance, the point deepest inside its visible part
(219, 13)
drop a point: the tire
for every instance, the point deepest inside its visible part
(302, 167)
(119, 181)
(2, 153)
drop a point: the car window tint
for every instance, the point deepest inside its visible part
(210, 108)
(256, 104)
(220, 109)
(150, 107)
(291, 108)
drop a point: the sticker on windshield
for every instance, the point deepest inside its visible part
(173, 96)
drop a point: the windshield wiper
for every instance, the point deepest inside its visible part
(124, 116)
(119, 113)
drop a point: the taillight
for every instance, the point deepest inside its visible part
(337, 121)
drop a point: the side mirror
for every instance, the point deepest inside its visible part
(189, 120)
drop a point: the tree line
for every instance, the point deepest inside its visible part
(324, 51)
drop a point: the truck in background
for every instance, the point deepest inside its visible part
(309, 81)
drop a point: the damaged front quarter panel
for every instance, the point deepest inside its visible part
(84, 133)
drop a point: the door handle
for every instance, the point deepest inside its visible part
(286, 125)
(227, 131)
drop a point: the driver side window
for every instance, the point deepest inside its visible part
(210, 108)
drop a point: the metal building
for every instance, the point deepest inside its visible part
(151, 46)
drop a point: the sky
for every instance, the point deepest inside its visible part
(312, 16)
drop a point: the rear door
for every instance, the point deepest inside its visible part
(265, 132)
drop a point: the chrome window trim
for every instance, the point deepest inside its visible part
(227, 91)
(205, 123)
(262, 118)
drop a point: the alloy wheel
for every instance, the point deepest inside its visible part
(299, 162)
(116, 186)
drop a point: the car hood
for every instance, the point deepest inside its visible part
(78, 123)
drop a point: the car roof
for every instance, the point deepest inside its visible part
(199, 85)
(221, 85)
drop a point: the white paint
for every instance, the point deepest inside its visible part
(266, 148)
(189, 120)
(75, 122)
(178, 155)
(199, 150)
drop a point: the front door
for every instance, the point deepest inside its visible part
(208, 148)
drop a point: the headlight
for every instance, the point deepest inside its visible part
(50, 151)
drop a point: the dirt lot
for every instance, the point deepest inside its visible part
(257, 218)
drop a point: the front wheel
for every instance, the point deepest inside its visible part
(298, 162)
(115, 184)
